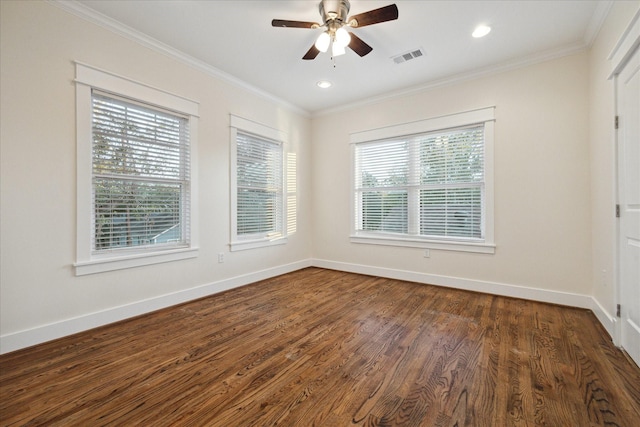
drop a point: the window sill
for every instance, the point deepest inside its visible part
(240, 245)
(407, 242)
(100, 265)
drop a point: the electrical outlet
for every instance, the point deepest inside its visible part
(221, 257)
(427, 253)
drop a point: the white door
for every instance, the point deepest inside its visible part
(628, 108)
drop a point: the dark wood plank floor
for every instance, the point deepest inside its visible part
(324, 348)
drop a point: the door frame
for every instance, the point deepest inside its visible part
(618, 58)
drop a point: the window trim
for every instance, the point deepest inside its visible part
(87, 79)
(484, 116)
(239, 243)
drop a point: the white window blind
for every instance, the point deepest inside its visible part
(429, 185)
(259, 186)
(140, 175)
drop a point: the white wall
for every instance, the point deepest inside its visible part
(542, 187)
(603, 154)
(40, 297)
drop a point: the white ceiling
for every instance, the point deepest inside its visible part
(235, 38)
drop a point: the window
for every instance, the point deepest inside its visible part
(258, 187)
(134, 174)
(426, 184)
(140, 176)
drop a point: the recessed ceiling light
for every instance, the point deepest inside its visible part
(324, 84)
(481, 31)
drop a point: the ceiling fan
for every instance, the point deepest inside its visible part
(334, 17)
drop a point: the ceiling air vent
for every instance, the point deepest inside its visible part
(407, 56)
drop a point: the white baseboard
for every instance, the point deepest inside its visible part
(44, 333)
(502, 289)
(524, 292)
(608, 321)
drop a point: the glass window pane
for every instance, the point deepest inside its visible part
(134, 213)
(259, 185)
(451, 212)
(383, 164)
(384, 211)
(452, 157)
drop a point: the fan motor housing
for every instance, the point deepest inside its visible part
(334, 10)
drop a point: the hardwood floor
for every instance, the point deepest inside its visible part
(324, 348)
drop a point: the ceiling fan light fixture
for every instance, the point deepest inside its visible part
(481, 31)
(323, 41)
(343, 38)
(337, 49)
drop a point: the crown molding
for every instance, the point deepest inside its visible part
(597, 20)
(458, 78)
(129, 33)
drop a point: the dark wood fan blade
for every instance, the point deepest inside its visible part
(312, 53)
(358, 46)
(387, 13)
(293, 24)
